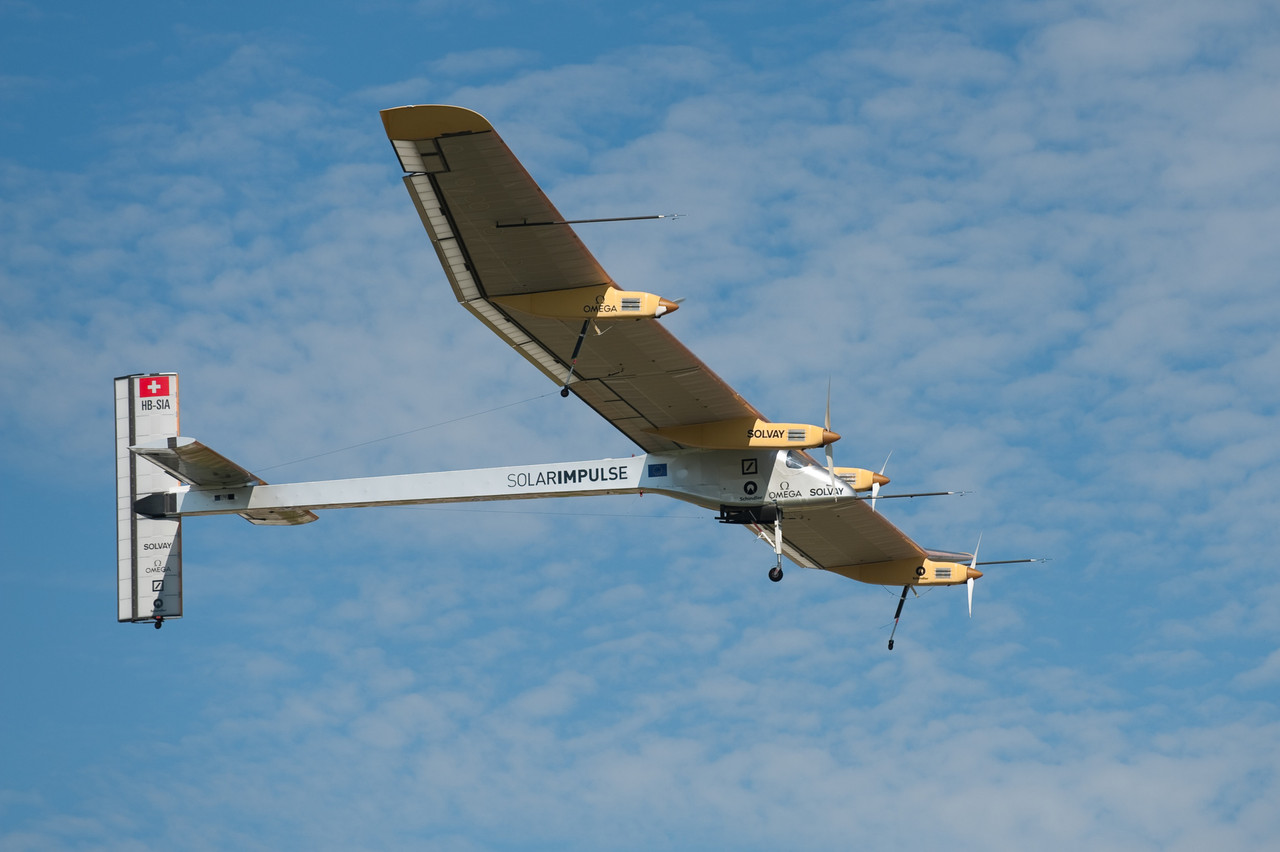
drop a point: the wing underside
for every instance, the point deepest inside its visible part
(848, 539)
(487, 220)
(497, 235)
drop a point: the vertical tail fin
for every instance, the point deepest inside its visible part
(149, 550)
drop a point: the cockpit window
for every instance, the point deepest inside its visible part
(794, 460)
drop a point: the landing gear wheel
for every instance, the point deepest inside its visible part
(564, 392)
(775, 574)
(159, 621)
(890, 644)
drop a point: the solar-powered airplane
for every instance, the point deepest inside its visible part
(518, 265)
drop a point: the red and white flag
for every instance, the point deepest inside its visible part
(153, 386)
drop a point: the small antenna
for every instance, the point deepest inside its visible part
(525, 223)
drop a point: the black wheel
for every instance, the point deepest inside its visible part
(890, 644)
(564, 392)
(775, 573)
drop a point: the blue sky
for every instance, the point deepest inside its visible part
(1031, 245)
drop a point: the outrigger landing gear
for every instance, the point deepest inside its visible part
(758, 517)
(159, 621)
(573, 361)
(775, 573)
(897, 614)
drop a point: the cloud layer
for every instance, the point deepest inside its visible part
(1030, 245)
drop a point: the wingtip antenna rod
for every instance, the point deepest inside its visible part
(525, 223)
(922, 494)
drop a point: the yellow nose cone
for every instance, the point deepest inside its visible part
(666, 306)
(829, 437)
(879, 479)
(972, 574)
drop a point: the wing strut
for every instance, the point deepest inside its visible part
(898, 614)
(573, 362)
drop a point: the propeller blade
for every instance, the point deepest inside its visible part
(826, 425)
(875, 486)
(973, 570)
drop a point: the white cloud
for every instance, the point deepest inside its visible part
(1039, 268)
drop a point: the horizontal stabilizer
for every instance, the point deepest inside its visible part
(192, 462)
(195, 464)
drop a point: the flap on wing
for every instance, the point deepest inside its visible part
(192, 462)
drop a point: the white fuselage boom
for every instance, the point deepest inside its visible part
(710, 479)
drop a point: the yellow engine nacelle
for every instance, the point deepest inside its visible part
(861, 479)
(598, 302)
(937, 572)
(744, 433)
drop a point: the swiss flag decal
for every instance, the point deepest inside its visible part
(153, 386)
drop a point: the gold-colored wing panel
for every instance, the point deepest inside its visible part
(487, 221)
(846, 537)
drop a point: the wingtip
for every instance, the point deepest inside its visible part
(428, 121)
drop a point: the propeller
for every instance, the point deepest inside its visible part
(875, 485)
(826, 425)
(973, 573)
